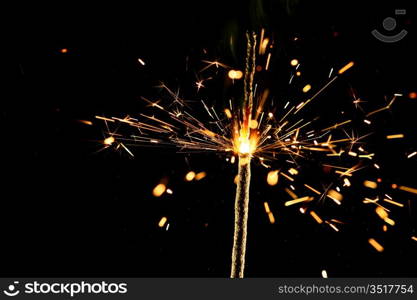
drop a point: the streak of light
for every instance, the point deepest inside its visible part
(395, 136)
(316, 217)
(370, 184)
(200, 175)
(266, 206)
(412, 154)
(324, 274)
(393, 202)
(141, 61)
(299, 200)
(347, 67)
(408, 189)
(312, 189)
(86, 122)
(378, 247)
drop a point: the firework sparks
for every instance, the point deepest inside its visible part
(251, 131)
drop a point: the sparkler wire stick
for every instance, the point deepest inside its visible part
(241, 218)
(243, 182)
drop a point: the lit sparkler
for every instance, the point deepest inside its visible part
(250, 132)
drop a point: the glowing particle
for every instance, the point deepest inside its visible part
(298, 73)
(85, 122)
(141, 61)
(367, 122)
(376, 166)
(169, 191)
(312, 189)
(335, 196)
(266, 206)
(235, 74)
(414, 238)
(64, 50)
(162, 222)
(299, 200)
(270, 115)
(228, 113)
(294, 62)
(347, 67)
(395, 136)
(190, 176)
(351, 153)
(407, 189)
(411, 154)
(159, 190)
(267, 61)
(346, 182)
(200, 175)
(412, 95)
(324, 274)
(306, 88)
(384, 228)
(393, 202)
(272, 178)
(232, 160)
(370, 184)
(271, 217)
(376, 245)
(293, 171)
(108, 141)
(316, 217)
(253, 124)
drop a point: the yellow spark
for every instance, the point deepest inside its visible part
(347, 67)
(108, 141)
(190, 176)
(232, 160)
(271, 217)
(270, 115)
(351, 153)
(263, 45)
(169, 191)
(299, 200)
(104, 119)
(395, 136)
(286, 176)
(306, 88)
(335, 196)
(228, 113)
(159, 190)
(346, 182)
(316, 217)
(141, 61)
(291, 193)
(86, 122)
(332, 226)
(64, 50)
(376, 166)
(272, 178)
(393, 202)
(253, 124)
(312, 189)
(414, 238)
(376, 245)
(408, 189)
(267, 61)
(200, 175)
(367, 122)
(324, 274)
(294, 62)
(293, 171)
(235, 74)
(266, 206)
(381, 213)
(385, 228)
(370, 184)
(162, 222)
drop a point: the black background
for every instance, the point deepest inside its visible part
(67, 210)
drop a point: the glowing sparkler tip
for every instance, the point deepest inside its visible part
(108, 141)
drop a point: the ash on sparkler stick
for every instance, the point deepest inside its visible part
(243, 183)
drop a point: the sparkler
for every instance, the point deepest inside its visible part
(249, 132)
